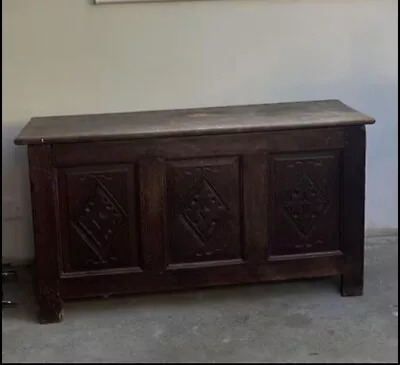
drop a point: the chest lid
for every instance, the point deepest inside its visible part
(189, 122)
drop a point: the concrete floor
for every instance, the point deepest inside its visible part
(304, 321)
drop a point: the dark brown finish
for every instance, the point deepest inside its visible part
(70, 154)
(152, 213)
(255, 208)
(192, 198)
(353, 195)
(97, 207)
(305, 194)
(204, 210)
(185, 122)
(44, 196)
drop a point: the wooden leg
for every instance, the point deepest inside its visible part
(44, 213)
(50, 305)
(353, 204)
(47, 316)
(352, 284)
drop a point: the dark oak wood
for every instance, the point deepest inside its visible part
(255, 208)
(204, 210)
(152, 213)
(353, 196)
(168, 200)
(98, 205)
(44, 197)
(70, 154)
(184, 122)
(304, 193)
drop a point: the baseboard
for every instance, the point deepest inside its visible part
(381, 232)
(17, 262)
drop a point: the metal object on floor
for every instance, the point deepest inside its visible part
(6, 274)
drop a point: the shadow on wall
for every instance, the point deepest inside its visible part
(17, 238)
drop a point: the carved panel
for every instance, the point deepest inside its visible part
(305, 195)
(99, 218)
(203, 210)
(305, 203)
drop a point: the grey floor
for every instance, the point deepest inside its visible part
(305, 321)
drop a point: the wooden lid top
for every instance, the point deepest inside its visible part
(186, 122)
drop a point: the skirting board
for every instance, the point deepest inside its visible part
(381, 232)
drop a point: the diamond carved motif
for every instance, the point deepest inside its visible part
(305, 204)
(97, 223)
(203, 209)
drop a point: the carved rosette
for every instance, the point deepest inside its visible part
(305, 204)
(203, 209)
(97, 223)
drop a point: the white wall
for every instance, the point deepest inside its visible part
(69, 57)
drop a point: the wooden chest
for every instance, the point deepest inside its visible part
(164, 200)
